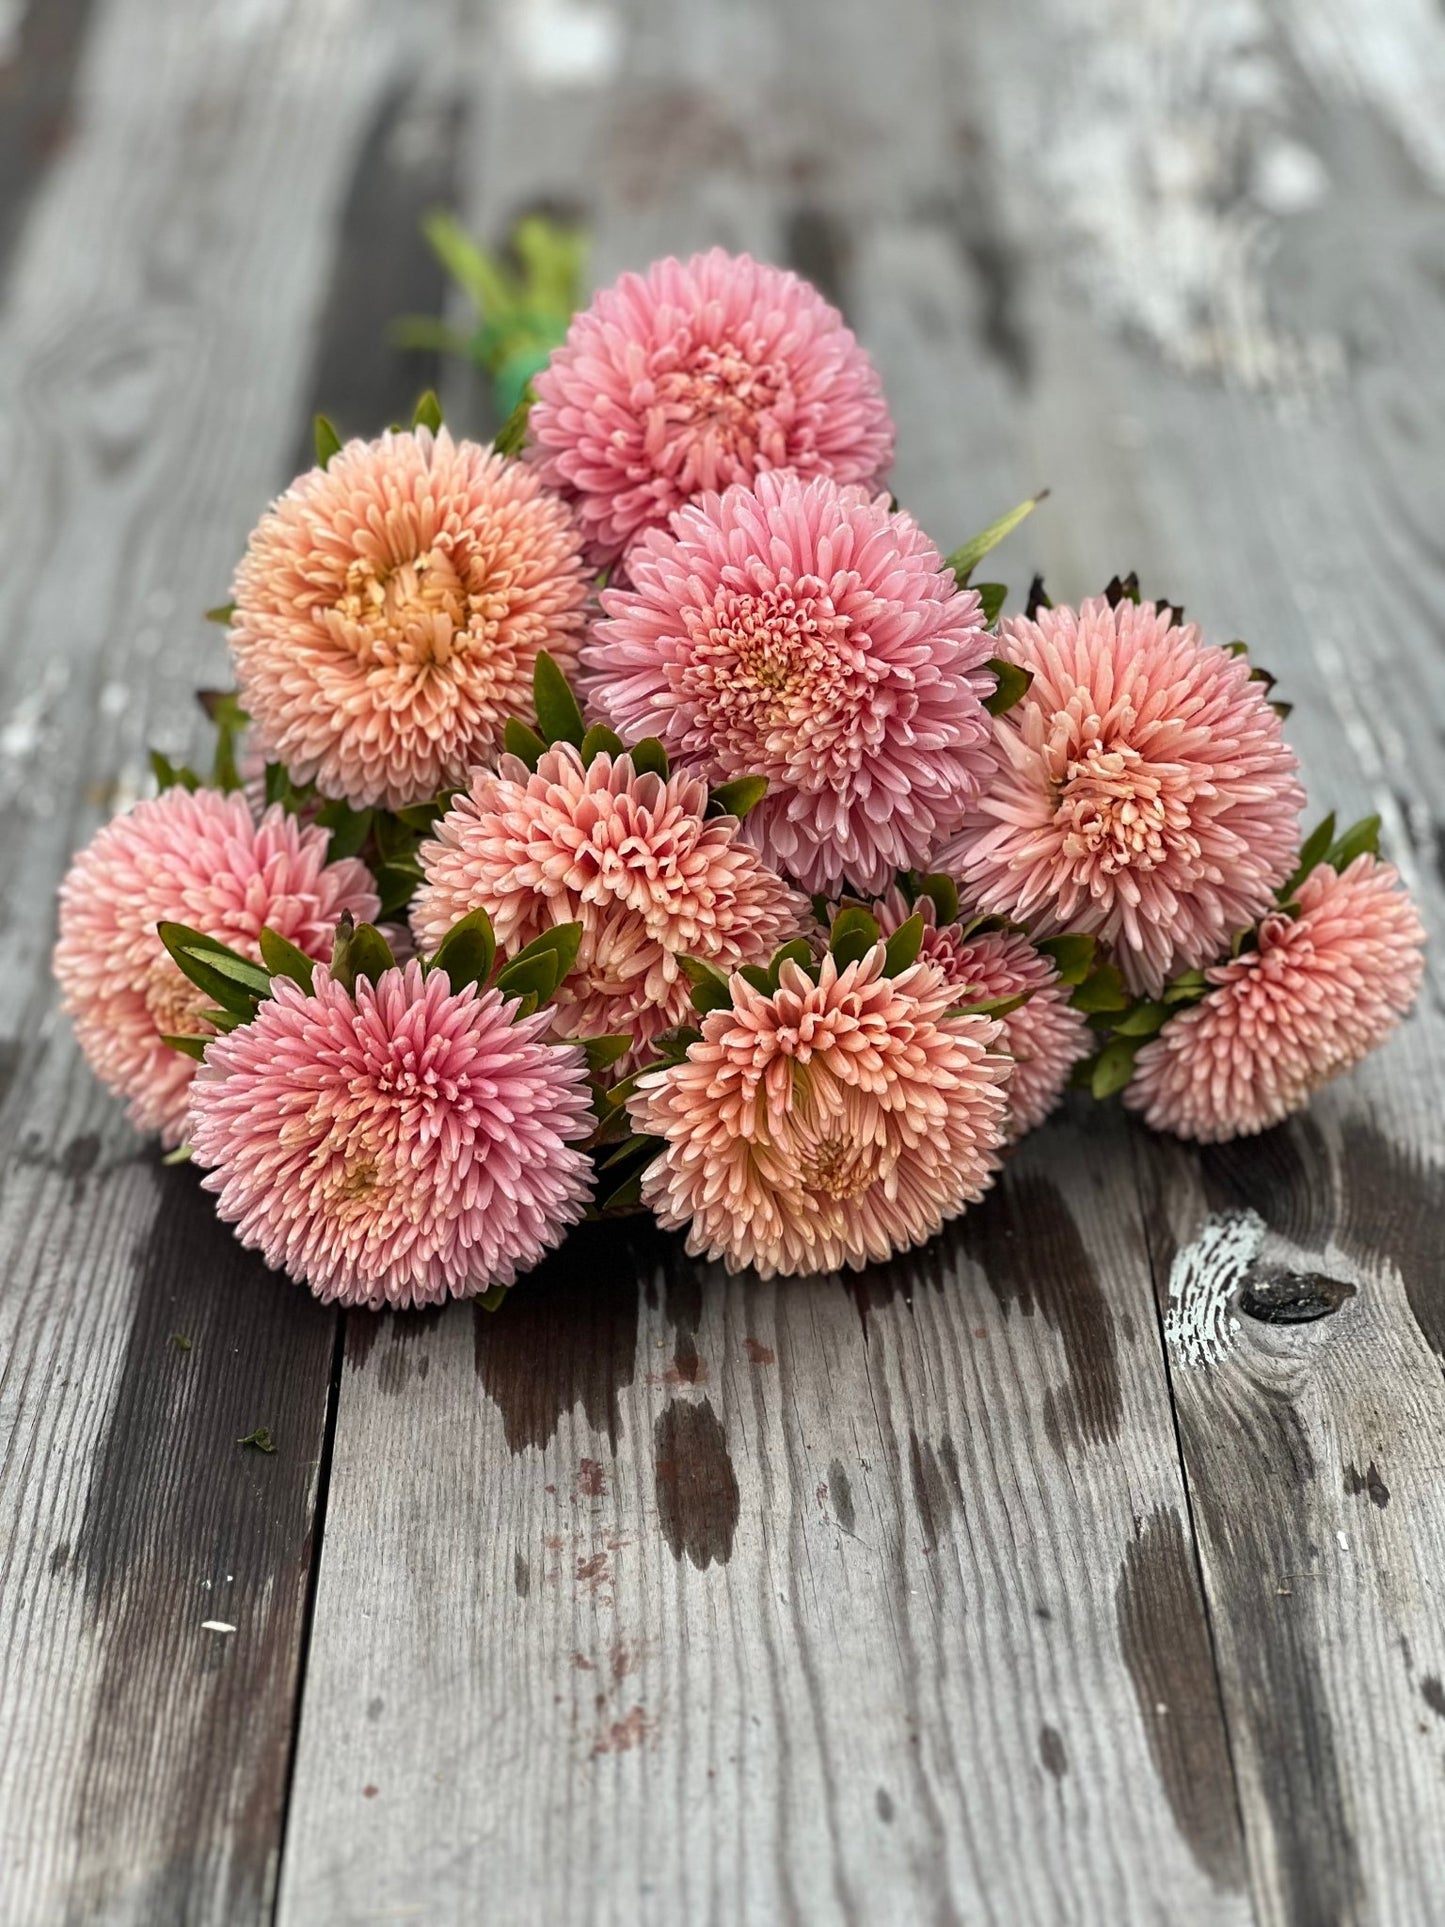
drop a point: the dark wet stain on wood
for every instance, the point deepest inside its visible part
(841, 1493)
(405, 167)
(1051, 1751)
(37, 87)
(1433, 1694)
(682, 1308)
(758, 1353)
(883, 1803)
(1368, 1481)
(697, 1489)
(817, 247)
(179, 1527)
(568, 1335)
(1292, 1297)
(937, 1486)
(1165, 1644)
(1032, 1256)
(521, 1575)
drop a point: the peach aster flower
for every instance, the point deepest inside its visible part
(398, 1145)
(633, 858)
(1145, 793)
(698, 374)
(801, 631)
(1322, 989)
(1044, 1037)
(389, 612)
(829, 1124)
(200, 859)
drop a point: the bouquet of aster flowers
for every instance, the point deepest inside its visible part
(643, 813)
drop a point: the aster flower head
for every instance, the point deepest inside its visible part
(629, 854)
(396, 1143)
(1043, 1035)
(804, 632)
(389, 610)
(823, 1121)
(1145, 792)
(1321, 988)
(695, 375)
(201, 859)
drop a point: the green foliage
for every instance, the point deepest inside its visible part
(649, 758)
(710, 989)
(520, 739)
(599, 741)
(328, 442)
(359, 950)
(854, 933)
(559, 714)
(1072, 955)
(966, 559)
(993, 596)
(903, 946)
(229, 979)
(468, 951)
(428, 412)
(1101, 990)
(942, 892)
(1011, 686)
(283, 959)
(536, 971)
(169, 775)
(736, 798)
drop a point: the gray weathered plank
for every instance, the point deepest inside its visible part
(154, 351)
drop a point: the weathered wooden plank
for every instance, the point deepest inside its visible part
(154, 351)
(823, 1599)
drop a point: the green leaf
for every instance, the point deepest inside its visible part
(359, 950)
(328, 442)
(188, 1046)
(903, 946)
(468, 951)
(1102, 989)
(222, 613)
(710, 988)
(519, 739)
(422, 818)
(169, 775)
(261, 1438)
(992, 595)
(1361, 839)
(1187, 988)
(349, 828)
(600, 740)
(1011, 687)
(854, 933)
(283, 959)
(1072, 954)
(512, 435)
(538, 969)
(736, 798)
(428, 412)
(991, 1006)
(494, 1299)
(1315, 850)
(942, 892)
(233, 981)
(1142, 1021)
(799, 952)
(758, 978)
(965, 560)
(181, 1155)
(1112, 1068)
(649, 758)
(627, 1194)
(603, 1052)
(223, 706)
(396, 886)
(559, 717)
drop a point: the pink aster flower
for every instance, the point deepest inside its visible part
(829, 1124)
(1044, 1037)
(389, 611)
(1322, 990)
(799, 630)
(677, 382)
(395, 1146)
(1145, 793)
(202, 860)
(632, 858)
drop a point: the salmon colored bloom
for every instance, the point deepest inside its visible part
(829, 1124)
(1045, 1037)
(200, 859)
(802, 632)
(694, 375)
(633, 858)
(389, 611)
(1145, 793)
(1322, 989)
(398, 1145)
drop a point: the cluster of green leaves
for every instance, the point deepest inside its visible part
(224, 710)
(1010, 681)
(1322, 845)
(524, 298)
(560, 720)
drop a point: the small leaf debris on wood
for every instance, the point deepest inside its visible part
(261, 1438)
(180, 1341)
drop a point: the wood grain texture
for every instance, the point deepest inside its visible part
(163, 290)
(818, 1600)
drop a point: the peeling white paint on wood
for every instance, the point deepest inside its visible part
(1204, 1276)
